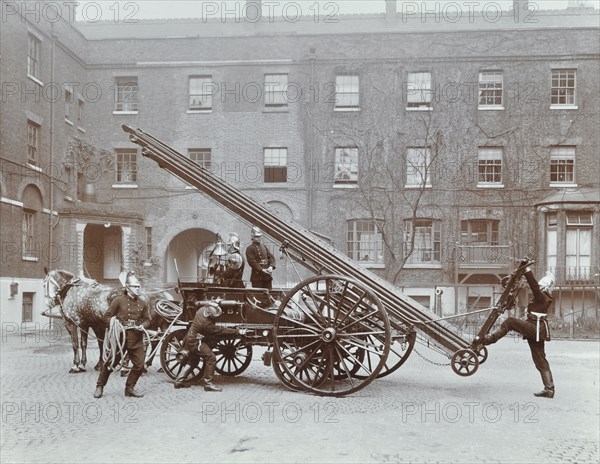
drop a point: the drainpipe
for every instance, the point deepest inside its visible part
(311, 142)
(51, 166)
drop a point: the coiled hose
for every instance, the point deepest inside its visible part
(114, 345)
(167, 309)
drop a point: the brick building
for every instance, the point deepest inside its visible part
(431, 147)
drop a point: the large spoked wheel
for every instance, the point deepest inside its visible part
(172, 344)
(331, 336)
(464, 362)
(402, 345)
(482, 354)
(233, 356)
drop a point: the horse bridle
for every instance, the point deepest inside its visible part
(61, 291)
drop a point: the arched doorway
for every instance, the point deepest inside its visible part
(185, 249)
(102, 252)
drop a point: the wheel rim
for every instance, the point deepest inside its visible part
(482, 354)
(172, 366)
(400, 349)
(464, 362)
(322, 331)
(233, 356)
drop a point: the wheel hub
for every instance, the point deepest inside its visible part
(328, 335)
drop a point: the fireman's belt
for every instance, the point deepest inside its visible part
(130, 323)
(539, 317)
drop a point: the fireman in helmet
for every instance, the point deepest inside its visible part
(535, 328)
(202, 331)
(131, 310)
(232, 277)
(261, 260)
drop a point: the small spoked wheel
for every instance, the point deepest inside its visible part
(331, 336)
(169, 361)
(482, 354)
(233, 356)
(464, 362)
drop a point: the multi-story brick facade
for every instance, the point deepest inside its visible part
(433, 152)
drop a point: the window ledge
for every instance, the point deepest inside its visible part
(124, 186)
(199, 111)
(32, 259)
(125, 112)
(276, 110)
(35, 79)
(420, 108)
(81, 129)
(346, 110)
(275, 184)
(34, 167)
(562, 185)
(490, 186)
(68, 198)
(345, 186)
(69, 122)
(413, 186)
(372, 265)
(422, 266)
(490, 108)
(564, 107)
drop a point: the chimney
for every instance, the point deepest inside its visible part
(253, 10)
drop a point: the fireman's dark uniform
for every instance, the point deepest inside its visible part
(130, 311)
(534, 329)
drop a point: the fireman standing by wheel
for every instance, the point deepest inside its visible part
(535, 328)
(132, 312)
(203, 328)
(261, 260)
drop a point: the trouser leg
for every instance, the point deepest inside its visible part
(210, 363)
(538, 354)
(102, 380)
(137, 359)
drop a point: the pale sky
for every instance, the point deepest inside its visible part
(155, 9)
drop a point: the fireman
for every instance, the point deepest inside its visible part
(261, 260)
(534, 329)
(131, 311)
(203, 328)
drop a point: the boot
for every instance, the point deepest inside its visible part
(211, 387)
(132, 379)
(102, 380)
(495, 336)
(548, 391)
(180, 380)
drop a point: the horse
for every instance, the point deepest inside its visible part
(82, 303)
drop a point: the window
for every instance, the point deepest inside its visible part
(490, 166)
(417, 167)
(563, 87)
(426, 247)
(202, 156)
(276, 90)
(479, 231)
(126, 94)
(27, 307)
(149, 242)
(365, 241)
(28, 235)
(562, 165)
(418, 90)
(33, 57)
(68, 104)
(490, 89)
(346, 93)
(33, 143)
(579, 246)
(201, 91)
(126, 167)
(551, 242)
(346, 165)
(275, 164)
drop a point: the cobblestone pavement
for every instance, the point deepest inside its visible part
(422, 413)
